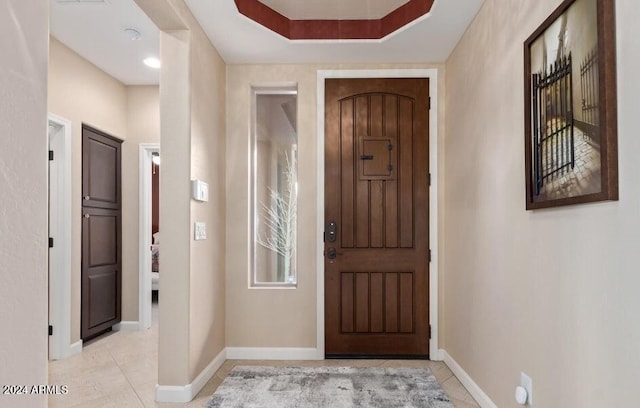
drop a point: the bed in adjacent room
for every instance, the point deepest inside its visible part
(155, 262)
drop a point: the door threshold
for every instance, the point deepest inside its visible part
(376, 357)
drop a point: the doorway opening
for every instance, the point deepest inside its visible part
(149, 155)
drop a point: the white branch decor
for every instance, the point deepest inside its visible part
(280, 219)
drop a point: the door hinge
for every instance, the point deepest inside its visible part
(50, 242)
(50, 330)
(429, 332)
(50, 154)
(429, 255)
(429, 179)
(429, 103)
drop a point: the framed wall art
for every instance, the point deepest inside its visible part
(571, 153)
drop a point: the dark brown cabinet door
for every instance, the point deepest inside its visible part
(101, 233)
(100, 169)
(376, 197)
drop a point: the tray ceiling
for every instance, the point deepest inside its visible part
(338, 29)
(334, 9)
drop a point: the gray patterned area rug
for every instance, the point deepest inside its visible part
(335, 387)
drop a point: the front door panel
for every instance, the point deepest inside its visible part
(376, 193)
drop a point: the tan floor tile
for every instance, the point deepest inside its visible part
(469, 400)
(141, 371)
(84, 363)
(101, 341)
(147, 393)
(132, 351)
(441, 372)
(406, 364)
(351, 363)
(225, 368)
(84, 389)
(62, 401)
(207, 391)
(124, 398)
(462, 404)
(454, 389)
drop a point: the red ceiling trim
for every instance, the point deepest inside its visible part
(264, 15)
(333, 29)
(403, 15)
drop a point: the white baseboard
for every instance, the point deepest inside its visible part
(175, 393)
(271, 353)
(473, 388)
(436, 355)
(75, 348)
(126, 326)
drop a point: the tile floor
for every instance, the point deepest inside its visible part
(119, 370)
(584, 178)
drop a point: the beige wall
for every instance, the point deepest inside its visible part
(82, 93)
(192, 105)
(207, 306)
(175, 212)
(276, 317)
(550, 292)
(24, 31)
(269, 317)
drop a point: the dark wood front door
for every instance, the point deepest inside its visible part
(377, 217)
(101, 232)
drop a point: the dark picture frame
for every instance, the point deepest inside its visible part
(571, 152)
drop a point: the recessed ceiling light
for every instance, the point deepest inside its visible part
(132, 33)
(152, 62)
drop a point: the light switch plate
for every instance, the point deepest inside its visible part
(199, 190)
(200, 231)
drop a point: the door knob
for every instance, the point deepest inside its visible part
(332, 253)
(87, 197)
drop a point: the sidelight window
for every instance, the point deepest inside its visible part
(274, 187)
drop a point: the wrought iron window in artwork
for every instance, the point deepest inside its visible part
(554, 139)
(274, 187)
(590, 96)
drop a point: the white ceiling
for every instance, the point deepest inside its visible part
(96, 33)
(334, 9)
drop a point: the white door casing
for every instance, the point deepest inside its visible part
(432, 74)
(144, 264)
(59, 136)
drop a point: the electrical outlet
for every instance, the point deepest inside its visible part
(527, 383)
